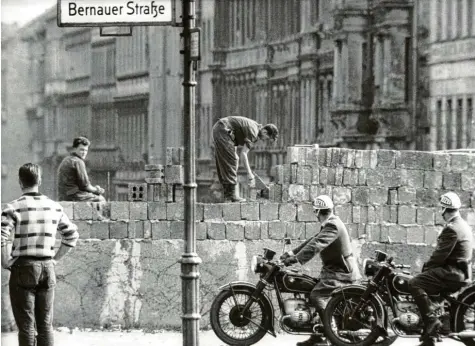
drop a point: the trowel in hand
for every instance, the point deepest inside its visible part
(260, 184)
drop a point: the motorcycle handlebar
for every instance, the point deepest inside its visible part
(402, 266)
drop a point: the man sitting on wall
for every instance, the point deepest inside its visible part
(73, 181)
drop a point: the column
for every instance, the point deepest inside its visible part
(434, 25)
(326, 106)
(471, 117)
(433, 125)
(453, 124)
(443, 24)
(303, 110)
(455, 20)
(313, 109)
(345, 72)
(336, 72)
(465, 18)
(463, 125)
(443, 125)
(386, 66)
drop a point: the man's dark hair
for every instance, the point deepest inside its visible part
(30, 175)
(272, 131)
(81, 140)
(325, 212)
(450, 210)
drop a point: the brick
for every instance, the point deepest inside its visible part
(415, 234)
(175, 211)
(299, 193)
(373, 158)
(314, 192)
(135, 230)
(323, 175)
(378, 212)
(250, 211)
(362, 177)
(201, 230)
(234, 231)
(322, 156)
(349, 158)
(295, 230)
(336, 157)
(147, 229)
(452, 181)
(350, 177)
(293, 173)
(161, 230)
(425, 216)
(362, 231)
(118, 230)
(315, 175)
(432, 180)
(373, 232)
(339, 176)
(137, 192)
(313, 154)
(287, 212)
(371, 214)
(360, 196)
(344, 212)
(212, 211)
(292, 155)
(100, 230)
(287, 173)
(178, 193)
(359, 214)
(275, 192)
(406, 195)
(285, 193)
(138, 210)
(414, 160)
(252, 230)
(67, 209)
(406, 215)
(386, 158)
(331, 178)
(352, 230)
(160, 192)
(431, 233)
(216, 231)
(427, 197)
(441, 162)
(174, 174)
(390, 213)
(276, 230)
(459, 162)
(177, 230)
(305, 212)
(468, 182)
(119, 210)
(311, 229)
(269, 211)
(393, 200)
(157, 211)
(383, 177)
(279, 174)
(84, 229)
(412, 178)
(378, 195)
(83, 211)
(328, 157)
(232, 211)
(359, 159)
(265, 230)
(397, 233)
(304, 175)
(341, 195)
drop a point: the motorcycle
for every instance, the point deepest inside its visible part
(243, 313)
(358, 315)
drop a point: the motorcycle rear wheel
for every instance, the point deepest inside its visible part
(460, 324)
(348, 301)
(227, 324)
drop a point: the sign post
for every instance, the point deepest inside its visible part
(115, 13)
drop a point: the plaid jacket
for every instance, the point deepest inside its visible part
(33, 220)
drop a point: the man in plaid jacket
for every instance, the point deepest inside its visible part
(32, 221)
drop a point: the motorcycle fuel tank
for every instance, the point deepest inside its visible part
(298, 283)
(401, 283)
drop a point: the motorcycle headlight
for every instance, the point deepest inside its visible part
(370, 267)
(256, 262)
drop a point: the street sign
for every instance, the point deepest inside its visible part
(115, 12)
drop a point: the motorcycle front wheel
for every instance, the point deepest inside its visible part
(234, 327)
(357, 330)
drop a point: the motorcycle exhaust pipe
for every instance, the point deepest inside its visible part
(464, 335)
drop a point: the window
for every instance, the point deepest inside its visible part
(104, 126)
(460, 128)
(103, 65)
(407, 67)
(448, 122)
(439, 123)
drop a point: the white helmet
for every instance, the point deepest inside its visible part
(323, 202)
(450, 200)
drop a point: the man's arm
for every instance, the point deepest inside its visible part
(244, 152)
(83, 179)
(445, 244)
(69, 236)
(8, 224)
(316, 244)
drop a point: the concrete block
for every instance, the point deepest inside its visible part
(253, 194)
(174, 174)
(295, 230)
(100, 230)
(360, 214)
(452, 181)
(147, 229)
(352, 230)
(432, 179)
(287, 212)
(468, 182)
(362, 177)
(135, 230)
(441, 162)
(279, 174)
(406, 195)
(212, 211)
(293, 173)
(390, 213)
(157, 210)
(377, 213)
(397, 233)
(216, 231)
(412, 178)
(84, 229)
(265, 230)
(393, 200)
(232, 211)
(160, 192)
(292, 155)
(341, 195)
(328, 157)
(344, 212)
(305, 212)
(234, 231)
(175, 211)
(161, 230)
(299, 193)
(383, 177)
(349, 158)
(386, 158)
(459, 162)
(337, 157)
(427, 197)
(304, 175)
(276, 230)
(359, 162)
(331, 178)
(287, 173)
(199, 212)
(285, 193)
(431, 233)
(83, 211)
(269, 211)
(175, 156)
(415, 234)
(362, 231)
(177, 230)
(201, 230)
(323, 175)
(425, 216)
(322, 156)
(350, 177)
(406, 215)
(137, 192)
(311, 229)
(373, 232)
(138, 211)
(378, 195)
(118, 229)
(67, 209)
(409, 159)
(439, 220)
(250, 211)
(313, 154)
(252, 230)
(315, 175)
(119, 210)
(314, 192)
(373, 158)
(339, 176)
(178, 193)
(275, 192)
(360, 196)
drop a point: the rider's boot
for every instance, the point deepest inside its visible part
(427, 341)
(431, 322)
(314, 340)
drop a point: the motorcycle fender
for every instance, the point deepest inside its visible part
(361, 289)
(265, 297)
(455, 311)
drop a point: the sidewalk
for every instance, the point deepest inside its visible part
(139, 338)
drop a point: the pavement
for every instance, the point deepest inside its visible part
(139, 338)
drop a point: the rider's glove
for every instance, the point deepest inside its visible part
(290, 260)
(284, 256)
